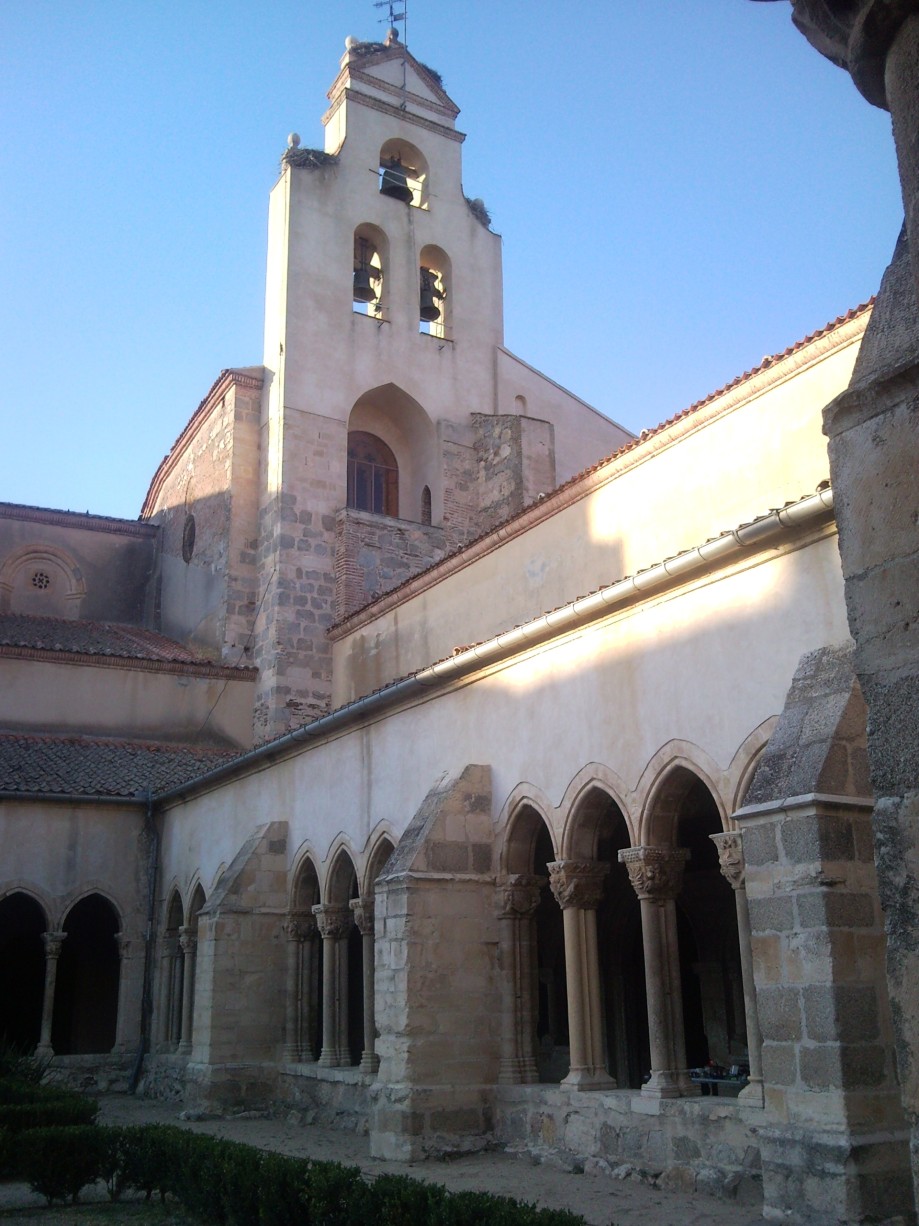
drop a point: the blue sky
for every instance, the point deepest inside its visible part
(681, 188)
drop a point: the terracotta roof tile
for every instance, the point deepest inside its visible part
(92, 638)
(90, 766)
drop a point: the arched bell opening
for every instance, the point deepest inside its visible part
(434, 293)
(404, 173)
(405, 444)
(368, 280)
(86, 993)
(22, 971)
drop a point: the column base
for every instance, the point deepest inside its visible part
(518, 1073)
(663, 1084)
(328, 1058)
(370, 1062)
(184, 1048)
(589, 1079)
(44, 1051)
(291, 1054)
(752, 1095)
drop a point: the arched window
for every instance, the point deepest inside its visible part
(426, 505)
(86, 994)
(404, 173)
(373, 475)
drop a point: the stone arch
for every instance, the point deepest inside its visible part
(304, 892)
(41, 580)
(747, 759)
(343, 962)
(390, 414)
(304, 962)
(527, 824)
(435, 291)
(590, 780)
(672, 769)
(23, 922)
(370, 272)
(408, 161)
(381, 849)
(86, 995)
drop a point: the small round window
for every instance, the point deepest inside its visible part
(188, 538)
(41, 579)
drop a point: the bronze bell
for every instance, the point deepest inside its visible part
(363, 290)
(428, 308)
(395, 184)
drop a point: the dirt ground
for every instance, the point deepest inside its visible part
(601, 1199)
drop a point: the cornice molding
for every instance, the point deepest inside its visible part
(45, 655)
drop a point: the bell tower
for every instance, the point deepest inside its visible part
(383, 313)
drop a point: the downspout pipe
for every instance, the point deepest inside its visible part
(761, 533)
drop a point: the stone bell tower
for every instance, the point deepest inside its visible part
(359, 233)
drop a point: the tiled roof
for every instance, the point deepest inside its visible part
(545, 501)
(109, 640)
(90, 766)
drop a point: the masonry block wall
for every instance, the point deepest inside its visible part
(835, 1137)
(374, 553)
(515, 459)
(204, 497)
(437, 1003)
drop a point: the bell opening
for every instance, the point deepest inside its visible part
(394, 182)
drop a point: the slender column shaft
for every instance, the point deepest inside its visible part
(578, 889)
(52, 942)
(309, 965)
(363, 911)
(518, 900)
(189, 943)
(299, 929)
(733, 869)
(175, 994)
(656, 874)
(333, 923)
(124, 951)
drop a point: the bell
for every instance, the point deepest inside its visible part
(363, 290)
(428, 309)
(395, 184)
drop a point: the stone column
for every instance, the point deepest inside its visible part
(362, 910)
(188, 942)
(52, 942)
(519, 898)
(121, 1019)
(578, 889)
(334, 923)
(656, 874)
(733, 869)
(176, 968)
(299, 929)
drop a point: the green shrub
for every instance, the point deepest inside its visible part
(398, 1199)
(61, 1110)
(59, 1162)
(283, 1189)
(147, 1155)
(336, 1195)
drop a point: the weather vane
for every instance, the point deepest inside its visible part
(396, 13)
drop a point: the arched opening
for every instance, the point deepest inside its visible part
(373, 475)
(189, 941)
(598, 833)
(173, 964)
(370, 259)
(435, 311)
(86, 995)
(426, 505)
(397, 420)
(710, 970)
(343, 989)
(22, 971)
(404, 173)
(304, 986)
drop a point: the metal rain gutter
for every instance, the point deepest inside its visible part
(714, 554)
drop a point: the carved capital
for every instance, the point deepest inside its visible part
(519, 895)
(362, 910)
(577, 883)
(730, 857)
(334, 922)
(299, 926)
(656, 873)
(187, 940)
(53, 942)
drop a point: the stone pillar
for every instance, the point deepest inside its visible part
(731, 862)
(578, 889)
(519, 898)
(121, 1019)
(176, 968)
(334, 924)
(52, 942)
(299, 929)
(362, 910)
(656, 874)
(188, 943)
